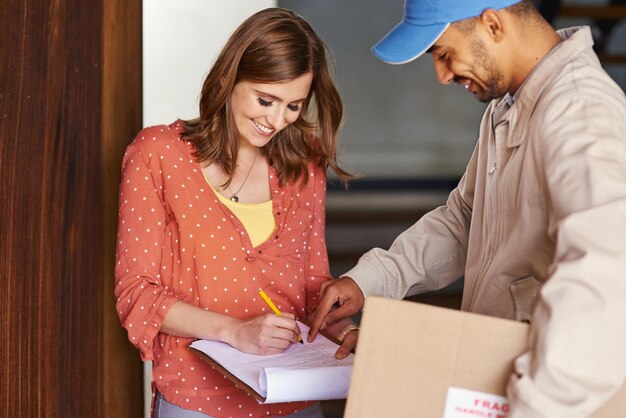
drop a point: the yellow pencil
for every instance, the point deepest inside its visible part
(274, 308)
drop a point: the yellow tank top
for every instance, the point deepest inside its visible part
(257, 218)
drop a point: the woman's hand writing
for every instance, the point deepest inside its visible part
(264, 334)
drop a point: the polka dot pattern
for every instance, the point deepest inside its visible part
(177, 241)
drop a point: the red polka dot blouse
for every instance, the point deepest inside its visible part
(177, 241)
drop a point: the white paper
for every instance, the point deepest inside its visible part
(303, 372)
(464, 403)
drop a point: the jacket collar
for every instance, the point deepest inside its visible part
(575, 41)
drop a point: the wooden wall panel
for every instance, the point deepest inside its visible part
(122, 119)
(55, 215)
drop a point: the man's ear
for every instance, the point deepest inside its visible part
(494, 23)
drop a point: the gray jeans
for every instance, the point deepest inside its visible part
(164, 409)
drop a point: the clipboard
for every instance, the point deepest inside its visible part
(270, 378)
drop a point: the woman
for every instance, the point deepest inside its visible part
(216, 208)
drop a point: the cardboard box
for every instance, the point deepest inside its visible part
(411, 356)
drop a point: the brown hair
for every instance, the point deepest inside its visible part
(273, 45)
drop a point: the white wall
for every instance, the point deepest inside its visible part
(181, 39)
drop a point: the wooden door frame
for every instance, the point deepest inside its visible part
(70, 101)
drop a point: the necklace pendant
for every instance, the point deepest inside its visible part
(234, 197)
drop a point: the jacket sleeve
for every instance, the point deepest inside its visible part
(578, 335)
(429, 255)
(142, 300)
(317, 266)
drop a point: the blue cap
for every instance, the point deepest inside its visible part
(423, 23)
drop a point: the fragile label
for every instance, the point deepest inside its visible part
(463, 403)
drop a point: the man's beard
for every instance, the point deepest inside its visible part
(494, 81)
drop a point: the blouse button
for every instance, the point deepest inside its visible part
(249, 258)
(278, 213)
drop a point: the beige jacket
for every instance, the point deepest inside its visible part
(537, 226)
